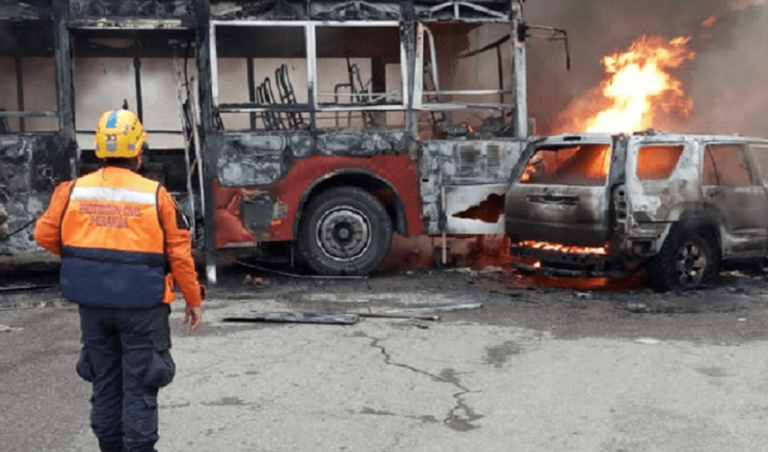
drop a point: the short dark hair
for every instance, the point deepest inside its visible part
(120, 162)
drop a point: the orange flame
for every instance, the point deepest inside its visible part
(565, 249)
(709, 22)
(638, 85)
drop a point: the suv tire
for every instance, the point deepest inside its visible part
(345, 231)
(689, 258)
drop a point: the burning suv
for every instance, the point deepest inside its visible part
(602, 205)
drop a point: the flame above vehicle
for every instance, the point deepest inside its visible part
(639, 85)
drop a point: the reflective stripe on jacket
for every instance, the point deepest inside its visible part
(112, 252)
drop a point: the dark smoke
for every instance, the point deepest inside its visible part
(730, 82)
(726, 81)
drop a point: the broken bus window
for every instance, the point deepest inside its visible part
(465, 83)
(260, 76)
(28, 96)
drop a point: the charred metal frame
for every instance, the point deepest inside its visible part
(380, 15)
(32, 163)
(157, 29)
(313, 106)
(264, 151)
(449, 176)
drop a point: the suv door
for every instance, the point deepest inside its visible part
(561, 195)
(735, 193)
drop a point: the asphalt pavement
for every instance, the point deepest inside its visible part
(508, 379)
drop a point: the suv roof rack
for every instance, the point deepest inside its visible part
(650, 132)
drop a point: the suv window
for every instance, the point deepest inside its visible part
(725, 164)
(760, 156)
(585, 165)
(657, 162)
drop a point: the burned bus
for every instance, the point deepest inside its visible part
(315, 129)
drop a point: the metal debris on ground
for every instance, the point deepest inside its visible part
(417, 323)
(339, 318)
(9, 329)
(449, 308)
(736, 273)
(492, 269)
(475, 273)
(294, 275)
(637, 307)
(26, 288)
(253, 281)
(647, 340)
(513, 294)
(394, 315)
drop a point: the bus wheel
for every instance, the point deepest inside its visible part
(345, 231)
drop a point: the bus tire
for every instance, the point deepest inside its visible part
(345, 231)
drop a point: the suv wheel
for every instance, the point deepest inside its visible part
(345, 231)
(688, 259)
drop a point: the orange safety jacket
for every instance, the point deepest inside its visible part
(113, 242)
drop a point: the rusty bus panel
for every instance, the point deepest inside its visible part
(36, 147)
(136, 10)
(245, 214)
(466, 169)
(13, 9)
(434, 10)
(30, 168)
(257, 159)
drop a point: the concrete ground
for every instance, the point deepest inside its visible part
(547, 369)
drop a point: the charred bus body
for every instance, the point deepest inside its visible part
(60, 63)
(318, 127)
(37, 145)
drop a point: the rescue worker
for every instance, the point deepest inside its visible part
(123, 243)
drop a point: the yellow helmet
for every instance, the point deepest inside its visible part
(119, 135)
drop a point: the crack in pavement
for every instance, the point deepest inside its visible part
(455, 421)
(461, 416)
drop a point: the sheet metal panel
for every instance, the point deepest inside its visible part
(462, 198)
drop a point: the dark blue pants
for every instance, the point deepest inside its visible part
(126, 356)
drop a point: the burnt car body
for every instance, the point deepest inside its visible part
(602, 205)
